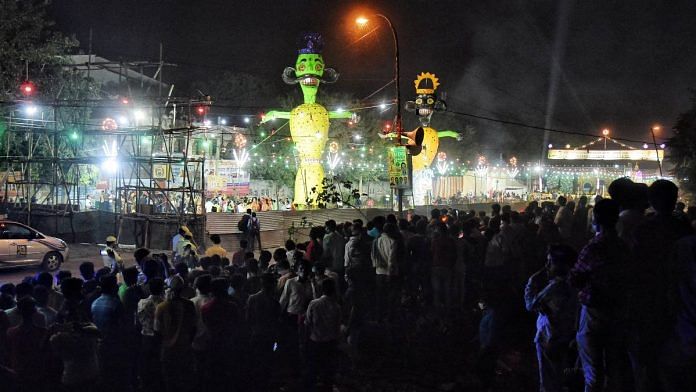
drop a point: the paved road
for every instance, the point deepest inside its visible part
(79, 253)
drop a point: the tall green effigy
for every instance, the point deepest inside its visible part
(309, 122)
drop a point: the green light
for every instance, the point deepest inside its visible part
(262, 134)
(74, 135)
(205, 144)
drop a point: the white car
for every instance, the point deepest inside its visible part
(20, 246)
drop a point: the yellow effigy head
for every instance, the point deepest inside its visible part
(430, 146)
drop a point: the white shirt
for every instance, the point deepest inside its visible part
(323, 319)
(175, 241)
(291, 256)
(296, 295)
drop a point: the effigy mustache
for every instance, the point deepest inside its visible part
(330, 75)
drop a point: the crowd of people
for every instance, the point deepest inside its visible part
(225, 203)
(612, 285)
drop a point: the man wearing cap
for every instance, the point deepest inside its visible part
(110, 257)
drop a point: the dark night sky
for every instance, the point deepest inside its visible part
(624, 64)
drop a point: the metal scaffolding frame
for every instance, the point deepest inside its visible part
(151, 168)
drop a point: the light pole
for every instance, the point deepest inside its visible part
(362, 21)
(605, 133)
(657, 154)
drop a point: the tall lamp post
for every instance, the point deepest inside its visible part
(362, 21)
(657, 154)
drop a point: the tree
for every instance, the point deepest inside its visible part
(335, 192)
(30, 50)
(682, 147)
(26, 41)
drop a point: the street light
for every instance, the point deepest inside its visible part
(363, 21)
(31, 110)
(605, 133)
(657, 154)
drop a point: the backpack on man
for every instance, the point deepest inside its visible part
(243, 224)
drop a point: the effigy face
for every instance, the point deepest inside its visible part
(309, 69)
(431, 142)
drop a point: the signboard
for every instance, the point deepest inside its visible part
(608, 155)
(177, 176)
(160, 171)
(225, 176)
(397, 167)
(215, 183)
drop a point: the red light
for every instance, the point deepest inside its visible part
(200, 110)
(27, 88)
(125, 101)
(387, 126)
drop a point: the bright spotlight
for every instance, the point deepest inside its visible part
(340, 110)
(246, 120)
(361, 21)
(383, 105)
(122, 121)
(357, 136)
(31, 110)
(223, 121)
(110, 165)
(645, 145)
(139, 115)
(662, 145)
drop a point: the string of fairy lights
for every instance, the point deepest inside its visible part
(337, 159)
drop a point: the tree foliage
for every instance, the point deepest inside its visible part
(682, 148)
(26, 39)
(335, 192)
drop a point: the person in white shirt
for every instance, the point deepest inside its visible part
(323, 322)
(298, 291)
(110, 256)
(293, 253)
